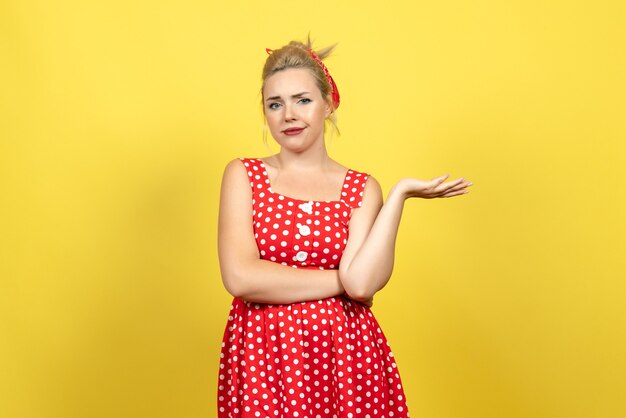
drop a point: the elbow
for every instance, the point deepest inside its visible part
(356, 289)
(236, 277)
(364, 287)
(360, 295)
(233, 283)
(231, 287)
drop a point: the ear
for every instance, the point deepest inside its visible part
(328, 109)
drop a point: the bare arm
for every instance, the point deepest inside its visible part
(244, 273)
(368, 259)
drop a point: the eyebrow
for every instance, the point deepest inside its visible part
(292, 96)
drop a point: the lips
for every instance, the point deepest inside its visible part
(293, 131)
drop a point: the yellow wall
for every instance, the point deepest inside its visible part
(118, 117)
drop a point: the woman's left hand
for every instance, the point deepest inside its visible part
(429, 189)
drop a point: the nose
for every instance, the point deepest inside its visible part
(289, 114)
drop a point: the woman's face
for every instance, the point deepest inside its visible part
(295, 109)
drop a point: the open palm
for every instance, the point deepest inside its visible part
(436, 187)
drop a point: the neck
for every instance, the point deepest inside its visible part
(309, 160)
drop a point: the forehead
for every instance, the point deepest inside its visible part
(290, 81)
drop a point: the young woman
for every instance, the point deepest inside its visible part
(304, 244)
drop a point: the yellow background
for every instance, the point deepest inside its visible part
(118, 117)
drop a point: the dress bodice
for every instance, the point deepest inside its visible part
(299, 233)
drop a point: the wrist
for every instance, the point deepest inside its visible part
(398, 191)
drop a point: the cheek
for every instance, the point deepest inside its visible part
(271, 120)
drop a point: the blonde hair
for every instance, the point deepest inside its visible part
(295, 55)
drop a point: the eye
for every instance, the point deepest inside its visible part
(271, 105)
(306, 100)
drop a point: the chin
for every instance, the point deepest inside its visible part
(294, 144)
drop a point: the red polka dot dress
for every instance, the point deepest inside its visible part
(317, 359)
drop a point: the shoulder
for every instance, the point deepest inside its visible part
(235, 164)
(241, 163)
(239, 166)
(361, 180)
(237, 173)
(372, 184)
(360, 188)
(235, 169)
(372, 192)
(367, 204)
